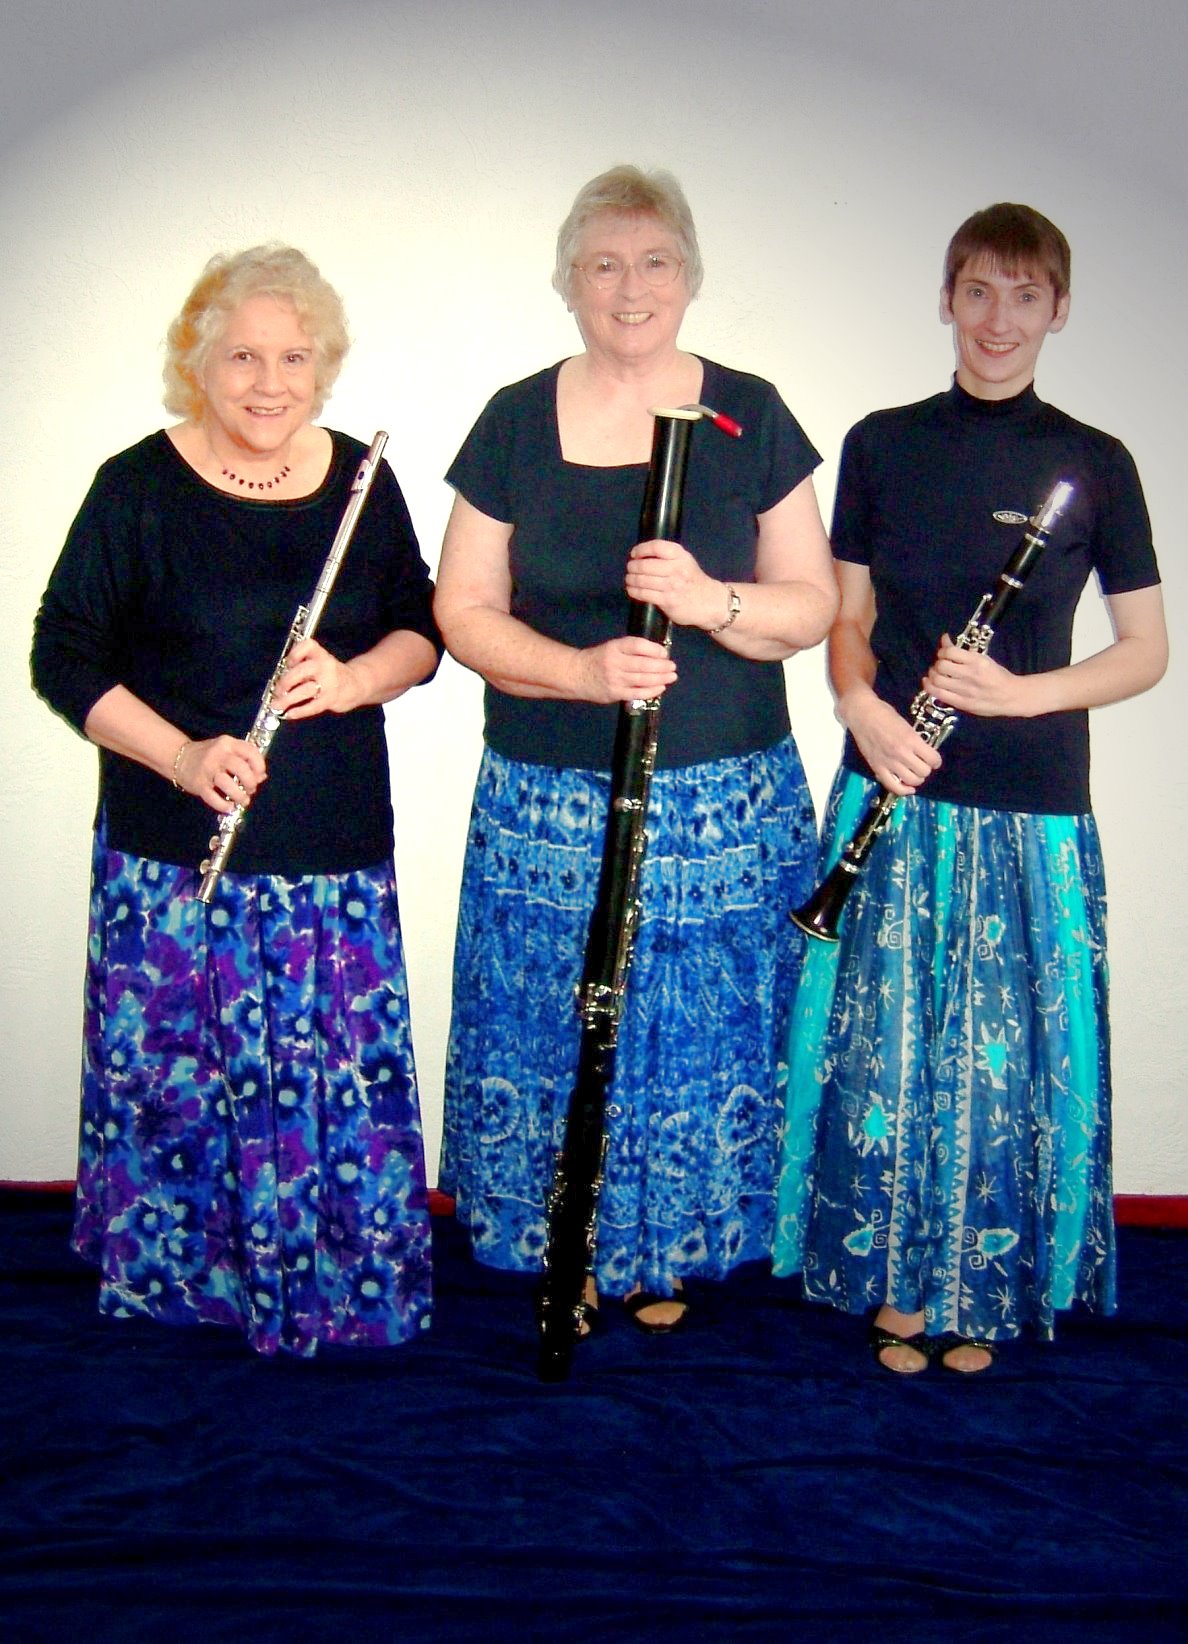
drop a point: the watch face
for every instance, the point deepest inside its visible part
(735, 608)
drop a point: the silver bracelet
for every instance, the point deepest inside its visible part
(735, 608)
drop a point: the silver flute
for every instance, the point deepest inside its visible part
(267, 720)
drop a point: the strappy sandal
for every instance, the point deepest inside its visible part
(636, 1303)
(591, 1320)
(881, 1339)
(950, 1343)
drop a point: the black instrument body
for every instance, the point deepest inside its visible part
(573, 1202)
(932, 720)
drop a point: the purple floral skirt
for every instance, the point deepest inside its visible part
(251, 1149)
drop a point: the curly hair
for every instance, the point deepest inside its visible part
(227, 281)
(630, 192)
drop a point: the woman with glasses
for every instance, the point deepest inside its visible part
(537, 559)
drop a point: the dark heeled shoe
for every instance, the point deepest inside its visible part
(950, 1343)
(636, 1303)
(881, 1339)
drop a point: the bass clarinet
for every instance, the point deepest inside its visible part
(577, 1179)
(932, 721)
(267, 720)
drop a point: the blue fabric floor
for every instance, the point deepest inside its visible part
(755, 1478)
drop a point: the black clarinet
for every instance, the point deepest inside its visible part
(577, 1176)
(933, 721)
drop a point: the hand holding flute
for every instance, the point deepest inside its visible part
(301, 665)
(225, 771)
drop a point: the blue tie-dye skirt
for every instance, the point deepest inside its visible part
(698, 1092)
(948, 1118)
(251, 1148)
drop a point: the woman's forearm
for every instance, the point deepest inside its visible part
(400, 660)
(775, 619)
(1124, 669)
(509, 654)
(124, 724)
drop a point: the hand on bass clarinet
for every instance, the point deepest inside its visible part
(974, 683)
(222, 771)
(624, 669)
(900, 759)
(666, 575)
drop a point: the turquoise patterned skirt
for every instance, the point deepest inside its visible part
(698, 1092)
(947, 1141)
(251, 1147)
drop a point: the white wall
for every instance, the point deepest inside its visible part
(424, 154)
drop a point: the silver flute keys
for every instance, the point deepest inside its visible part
(267, 720)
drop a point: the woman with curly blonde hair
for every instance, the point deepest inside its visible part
(251, 1146)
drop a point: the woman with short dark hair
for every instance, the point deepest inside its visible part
(947, 1158)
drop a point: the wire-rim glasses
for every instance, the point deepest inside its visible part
(655, 268)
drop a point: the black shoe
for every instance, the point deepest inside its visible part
(644, 1298)
(949, 1344)
(881, 1339)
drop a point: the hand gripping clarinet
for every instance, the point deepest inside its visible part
(573, 1202)
(933, 721)
(267, 720)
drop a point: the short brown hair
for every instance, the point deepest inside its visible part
(1015, 239)
(228, 281)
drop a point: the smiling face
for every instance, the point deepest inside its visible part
(999, 322)
(631, 322)
(260, 378)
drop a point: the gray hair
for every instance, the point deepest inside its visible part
(226, 283)
(630, 192)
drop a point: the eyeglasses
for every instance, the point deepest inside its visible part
(654, 268)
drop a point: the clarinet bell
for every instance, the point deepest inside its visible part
(820, 915)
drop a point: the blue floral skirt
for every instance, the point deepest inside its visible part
(251, 1148)
(948, 1124)
(698, 1093)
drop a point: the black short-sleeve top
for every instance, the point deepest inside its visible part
(931, 498)
(573, 527)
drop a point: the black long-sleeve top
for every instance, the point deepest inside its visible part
(185, 596)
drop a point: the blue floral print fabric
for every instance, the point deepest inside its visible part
(251, 1149)
(947, 1139)
(698, 1093)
